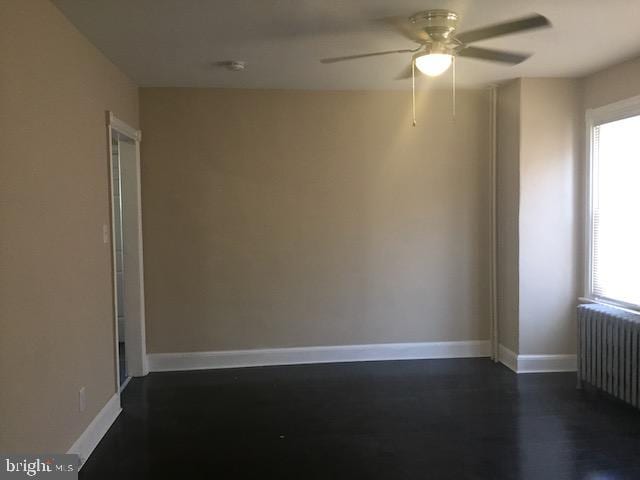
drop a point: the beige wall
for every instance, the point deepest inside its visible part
(550, 136)
(276, 219)
(539, 229)
(507, 209)
(612, 84)
(56, 324)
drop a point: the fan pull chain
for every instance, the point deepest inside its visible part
(413, 89)
(453, 72)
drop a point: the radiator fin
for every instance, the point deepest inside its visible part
(609, 351)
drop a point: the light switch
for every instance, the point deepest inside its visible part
(105, 234)
(81, 400)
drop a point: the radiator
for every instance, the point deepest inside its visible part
(608, 351)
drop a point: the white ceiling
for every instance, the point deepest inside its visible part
(178, 42)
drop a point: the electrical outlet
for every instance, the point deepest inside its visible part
(105, 233)
(81, 399)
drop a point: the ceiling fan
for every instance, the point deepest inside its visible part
(438, 43)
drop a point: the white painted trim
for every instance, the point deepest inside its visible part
(508, 358)
(628, 107)
(546, 363)
(142, 340)
(537, 363)
(588, 211)
(89, 439)
(160, 362)
(114, 267)
(137, 350)
(124, 128)
(621, 306)
(493, 230)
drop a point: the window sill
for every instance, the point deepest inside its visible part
(627, 308)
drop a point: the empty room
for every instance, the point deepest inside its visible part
(320, 239)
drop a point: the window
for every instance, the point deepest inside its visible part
(614, 224)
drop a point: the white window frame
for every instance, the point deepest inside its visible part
(629, 107)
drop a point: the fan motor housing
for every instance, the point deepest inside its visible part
(439, 24)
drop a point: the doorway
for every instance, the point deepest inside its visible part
(126, 233)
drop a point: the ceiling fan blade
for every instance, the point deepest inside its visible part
(405, 27)
(520, 25)
(363, 55)
(493, 55)
(405, 73)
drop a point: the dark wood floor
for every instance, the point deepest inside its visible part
(431, 419)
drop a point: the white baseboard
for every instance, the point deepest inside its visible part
(92, 435)
(546, 363)
(162, 362)
(537, 363)
(508, 358)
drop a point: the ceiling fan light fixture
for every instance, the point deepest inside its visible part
(434, 64)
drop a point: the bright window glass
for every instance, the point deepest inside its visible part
(615, 220)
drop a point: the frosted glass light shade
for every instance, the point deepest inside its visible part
(434, 64)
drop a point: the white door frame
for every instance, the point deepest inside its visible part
(136, 351)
